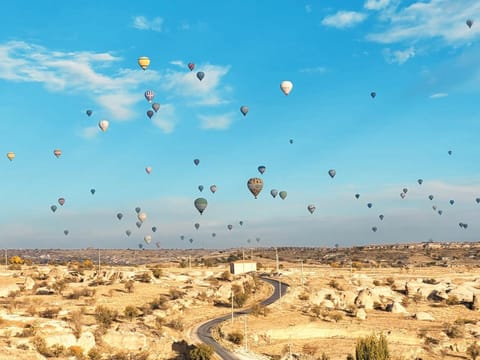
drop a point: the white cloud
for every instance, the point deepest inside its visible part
(142, 23)
(438, 95)
(206, 92)
(165, 118)
(178, 63)
(398, 56)
(376, 4)
(317, 69)
(90, 132)
(434, 19)
(217, 122)
(344, 19)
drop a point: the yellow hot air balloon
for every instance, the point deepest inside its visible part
(255, 185)
(11, 155)
(144, 61)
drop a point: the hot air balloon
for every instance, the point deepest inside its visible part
(61, 201)
(402, 195)
(196, 161)
(147, 239)
(373, 94)
(191, 240)
(140, 246)
(440, 212)
(89, 112)
(369, 205)
(144, 62)
(469, 23)
(452, 202)
(213, 234)
(477, 200)
(103, 125)
(156, 107)
(139, 224)
(381, 217)
(434, 207)
(154, 228)
(261, 169)
(57, 153)
(182, 237)
(257, 239)
(191, 66)
(157, 244)
(213, 188)
(311, 208)
(449, 152)
(405, 190)
(197, 226)
(142, 217)
(229, 227)
(274, 193)
(150, 114)
(430, 197)
(291, 141)
(200, 75)
(286, 86)
(148, 169)
(200, 204)
(332, 173)
(420, 181)
(92, 191)
(53, 208)
(357, 196)
(128, 232)
(255, 185)
(11, 155)
(241, 223)
(65, 232)
(374, 229)
(244, 110)
(282, 194)
(200, 188)
(149, 95)
(137, 209)
(119, 216)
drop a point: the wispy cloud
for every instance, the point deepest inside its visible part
(344, 19)
(427, 20)
(143, 23)
(376, 4)
(317, 69)
(398, 56)
(216, 122)
(90, 132)
(165, 118)
(308, 8)
(205, 92)
(438, 95)
(178, 63)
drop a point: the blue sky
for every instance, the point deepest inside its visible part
(58, 59)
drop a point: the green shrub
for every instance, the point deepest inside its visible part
(201, 352)
(130, 312)
(105, 316)
(372, 347)
(235, 337)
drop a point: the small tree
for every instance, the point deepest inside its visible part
(201, 352)
(473, 351)
(372, 347)
(130, 312)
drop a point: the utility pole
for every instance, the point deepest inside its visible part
(303, 282)
(6, 259)
(279, 290)
(231, 292)
(276, 259)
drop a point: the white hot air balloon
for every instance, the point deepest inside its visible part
(286, 86)
(148, 169)
(142, 217)
(147, 239)
(103, 125)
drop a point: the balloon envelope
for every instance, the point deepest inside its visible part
(286, 86)
(381, 217)
(137, 209)
(92, 191)
(61, 201)
(261, 169)
(332, 173)
(11, 155)
(229, 227)
(65, 232)
(200, 204)
(369, 205)
(150, 113)
(255, 185)
(143, 62)
(200, 75)
(213, 189)
(57, 153)
(282, 194)
(311, 208)
(373, 94)
(469, 23)
(274, 192)
(147, 239)
(128, 232)
(119, 216)
(149, 95)
(244, 110)
(142, 217)
(420, 181)
(53, 208)
(197, 225)
(374, 229)
(138, 223)
(191, 66)
(148, 169)
(154, 228)
(452, 202)
(200, 187)
(156, 106)
(357, 196)
(89, 112)
(196, 161)
(103, 125)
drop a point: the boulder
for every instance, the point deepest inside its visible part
(361, 314)
(423, 316)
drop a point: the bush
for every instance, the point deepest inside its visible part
(304, 297)
(105, 316)
(159, 303)
(390, 281)
(372, 347)
(258, 310)
(452, 300)
(473, 351)
(175, 294)
(157, 273)
(76, 323)
(129, 285)
(377, 282)
(176, 324)
(235, 337)
(130, 312)
(310, 349)
(50, 313)
(201, 352)
(78, 293)
(94, 354)
(226, 276)
(417, 297)
(454, 331)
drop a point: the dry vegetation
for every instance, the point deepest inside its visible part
(425, 299)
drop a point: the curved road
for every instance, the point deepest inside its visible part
(204, 331)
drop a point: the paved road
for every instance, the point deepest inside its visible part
(204, 330)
